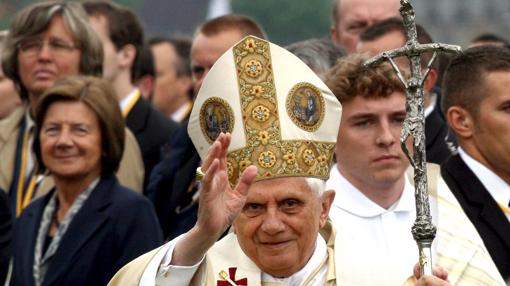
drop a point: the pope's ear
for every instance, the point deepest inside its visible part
(326, 203)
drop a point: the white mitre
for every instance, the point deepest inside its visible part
(282, 117)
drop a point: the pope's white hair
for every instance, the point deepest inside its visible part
(317, 186)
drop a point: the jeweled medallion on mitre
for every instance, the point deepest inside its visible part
(305, 106)
(216, 116)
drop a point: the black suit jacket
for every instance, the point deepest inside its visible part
(436, 130)
(170, 183)
(489, 220)
(151, 129)
(6, 218)
(114, 226)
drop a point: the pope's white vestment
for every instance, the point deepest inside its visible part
(226, 255)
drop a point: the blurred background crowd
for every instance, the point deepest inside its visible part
(452, 21)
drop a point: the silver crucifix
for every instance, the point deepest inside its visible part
(414, 125)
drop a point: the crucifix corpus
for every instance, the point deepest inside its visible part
(414, 125)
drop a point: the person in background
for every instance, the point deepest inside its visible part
(477, 106)
(10, 102)
(390, 34)
(487, 39)
(9, 96)
(145, 74)
(375, 203)
(121, 34)
(351, 17)
(6, 219)
(88, 226)
(48, 41)
(173, 91)
(173, 186)
(319, 54)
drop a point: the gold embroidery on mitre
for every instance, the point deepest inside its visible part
(216, 116)
(260, 113)
(253, 68)
(259, 107)
(308, 157)
(267, 159)
(305, 106)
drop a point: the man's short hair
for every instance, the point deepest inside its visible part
(182, 46)
(145, 65)
(490, 38)
(349, 78)
(319, 54)
(124, 27)
(395, 24)
(244, 24)
(35, 19)
(464, 79)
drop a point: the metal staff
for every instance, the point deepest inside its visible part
(423, 230)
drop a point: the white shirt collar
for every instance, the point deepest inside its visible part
(181, 112)
(350, 199)
(126, 100)
(298, 278)
(496, 186)
(430, 108)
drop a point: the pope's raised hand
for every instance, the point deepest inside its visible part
(219, 204)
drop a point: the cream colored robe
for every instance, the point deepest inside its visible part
(225, 254)
(459, 248)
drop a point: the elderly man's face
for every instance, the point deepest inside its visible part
(279, 224)
(354, 16)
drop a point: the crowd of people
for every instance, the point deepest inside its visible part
(225, 159)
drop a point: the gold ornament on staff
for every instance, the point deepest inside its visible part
(414, 125)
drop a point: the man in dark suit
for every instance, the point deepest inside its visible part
(122, 36)
(476, 103)
(172, 184)
(390, 34)
(5, 234)
(173, 90)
